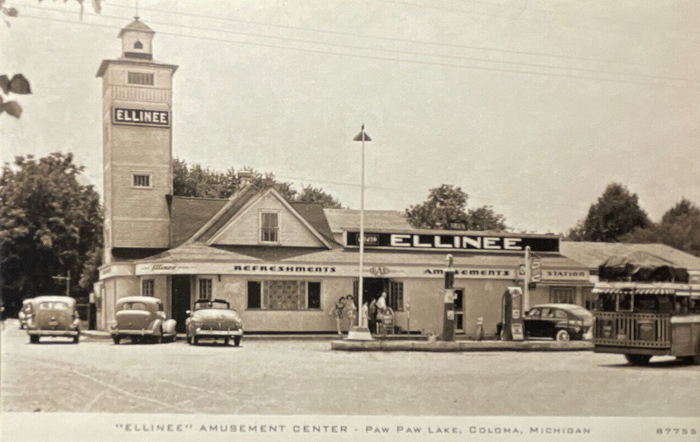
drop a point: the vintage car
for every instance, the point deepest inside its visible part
(141, 319)
(561, 322)
(52, 316)
(214, 319)
(24, 313)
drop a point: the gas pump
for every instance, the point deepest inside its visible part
(512, 314)
(449, 296)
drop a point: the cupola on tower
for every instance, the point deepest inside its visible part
(137, 147)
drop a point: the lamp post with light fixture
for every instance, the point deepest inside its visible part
(358, 332)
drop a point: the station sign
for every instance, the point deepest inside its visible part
(447, 242)
(140, 117)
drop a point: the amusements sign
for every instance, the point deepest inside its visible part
(141, 117)
(446, 242)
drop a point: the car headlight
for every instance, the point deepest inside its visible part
(577, 322)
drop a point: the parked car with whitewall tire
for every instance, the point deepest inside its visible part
(561, 322)
(214, 319)
(141, 319)
(53, 316)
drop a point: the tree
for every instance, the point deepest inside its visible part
(615, 214)
(445, 208)
(49, 224)
(310, 194)
(197, 181)
(679, 228)
(484, 218)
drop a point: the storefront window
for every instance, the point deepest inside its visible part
(589, 298)
(284, 295)
(395, 296)
(147, 287)
(205, 289)
(254, 294)
(562, 295)
(314, 295)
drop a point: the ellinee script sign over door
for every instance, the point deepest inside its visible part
(442, 242)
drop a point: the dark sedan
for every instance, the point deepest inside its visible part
(561, 322)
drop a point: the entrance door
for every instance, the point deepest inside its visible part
(459, 311)
(181, 300)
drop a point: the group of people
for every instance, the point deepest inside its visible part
(372, 312)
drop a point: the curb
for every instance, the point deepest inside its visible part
(99, 334)
(459, 346)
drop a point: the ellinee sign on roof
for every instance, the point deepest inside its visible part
(454, 242)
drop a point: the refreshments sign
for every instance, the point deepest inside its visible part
(447, 242)
(141, 117)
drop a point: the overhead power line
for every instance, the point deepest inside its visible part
(380, 37)
(371, 48)
(523, 7)
(374, 57)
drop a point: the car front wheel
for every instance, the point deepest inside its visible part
(33, 339)
(76, 339)
(116, 339)
(237, 341)
(562, 336)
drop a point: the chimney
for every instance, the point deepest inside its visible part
(245, 178)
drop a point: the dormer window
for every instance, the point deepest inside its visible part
(138, 45)
(269, 227)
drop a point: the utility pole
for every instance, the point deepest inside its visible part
(66, 278)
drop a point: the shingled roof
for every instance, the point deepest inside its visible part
(190, 214)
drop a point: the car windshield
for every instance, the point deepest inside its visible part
(211, 304)
(53, 306)
(134, 306)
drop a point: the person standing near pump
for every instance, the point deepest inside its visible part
(365, 314)
(381, 311)
(350, 311)
(337, 313)
(372, 317)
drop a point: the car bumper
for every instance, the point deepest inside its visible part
(217, 333)
(131, 332)
(53, 332)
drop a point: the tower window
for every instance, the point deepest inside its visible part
(139, 180)
(138, 45)
(140, 78)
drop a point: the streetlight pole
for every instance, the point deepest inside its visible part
(359, 332)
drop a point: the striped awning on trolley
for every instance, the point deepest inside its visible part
(635, 290)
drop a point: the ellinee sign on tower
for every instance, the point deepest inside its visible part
(137, 147)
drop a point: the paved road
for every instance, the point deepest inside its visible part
(305, 377)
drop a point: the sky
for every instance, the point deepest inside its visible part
(530, 106)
